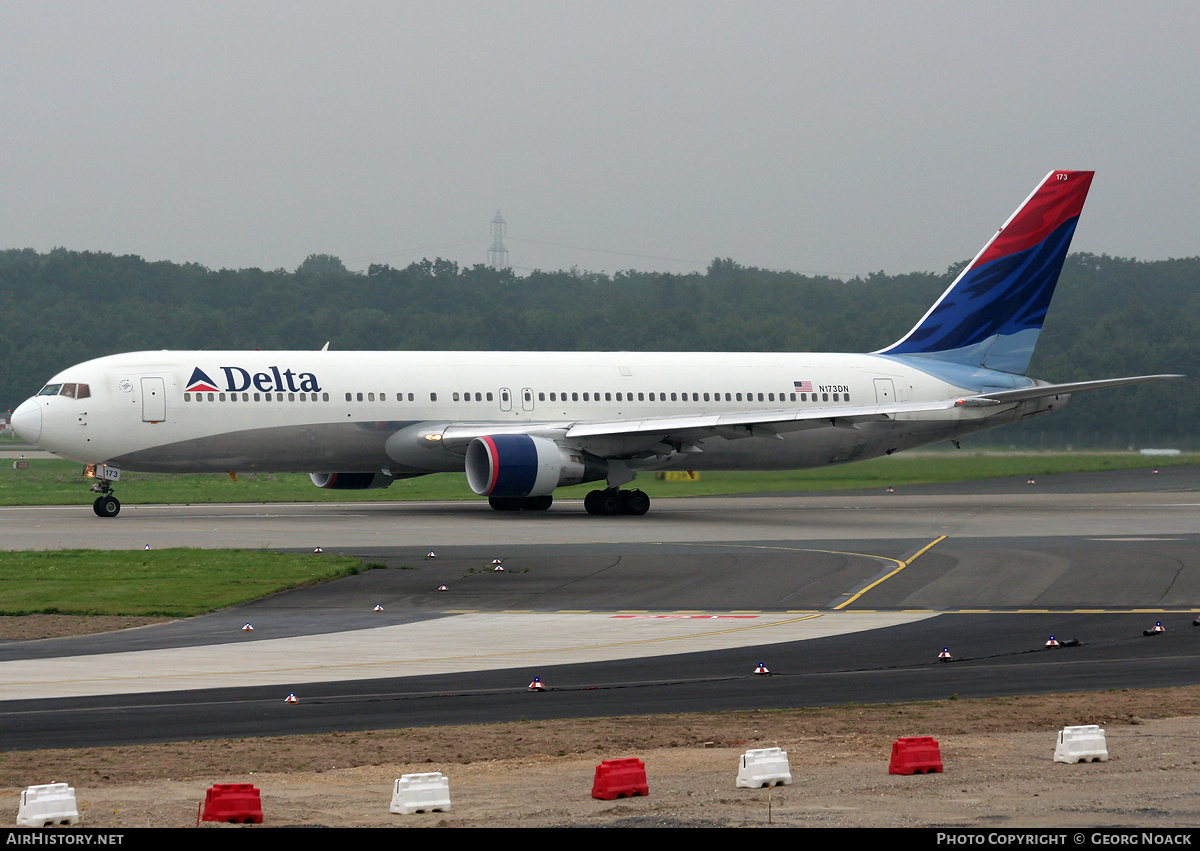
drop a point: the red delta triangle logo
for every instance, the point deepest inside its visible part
(200, 383)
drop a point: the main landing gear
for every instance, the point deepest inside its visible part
(611, 502)
(605, 503)
(106, 505)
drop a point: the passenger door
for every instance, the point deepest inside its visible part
(154, 400)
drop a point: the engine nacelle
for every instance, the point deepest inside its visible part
(521, 465)
(350, 481)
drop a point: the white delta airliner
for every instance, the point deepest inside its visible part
(524, 423)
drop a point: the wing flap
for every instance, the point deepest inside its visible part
(771, 421)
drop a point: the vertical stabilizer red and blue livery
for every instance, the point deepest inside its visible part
(991, 315)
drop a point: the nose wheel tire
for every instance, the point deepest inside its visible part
(106, 506)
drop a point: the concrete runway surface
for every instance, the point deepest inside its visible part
(846, 597)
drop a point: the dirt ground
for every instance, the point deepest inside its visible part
(998, 757)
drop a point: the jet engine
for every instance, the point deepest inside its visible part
(519, 465)
(350, 481)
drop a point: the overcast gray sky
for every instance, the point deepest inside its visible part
(840, 138)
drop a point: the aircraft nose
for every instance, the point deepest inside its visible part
(27, 421)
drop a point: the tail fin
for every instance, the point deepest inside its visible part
(993, 312)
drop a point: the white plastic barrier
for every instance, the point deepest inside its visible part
(764, 767)
(418, 793)
(1081, 744)
(53, 803)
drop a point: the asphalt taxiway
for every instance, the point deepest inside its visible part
(844, 598)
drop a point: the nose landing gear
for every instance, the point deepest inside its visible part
(106, 505)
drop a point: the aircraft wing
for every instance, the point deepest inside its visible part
(641, 435)
(760, 423)
(634, 435)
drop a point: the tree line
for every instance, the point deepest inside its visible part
(1111, 316)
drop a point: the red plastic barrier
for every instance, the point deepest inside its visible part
(620, 778)
(916, 755)
(239, 803)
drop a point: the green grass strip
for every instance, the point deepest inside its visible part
(160, 583)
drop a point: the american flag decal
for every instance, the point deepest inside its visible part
(802, 386)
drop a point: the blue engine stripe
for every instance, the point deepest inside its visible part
(514, 464)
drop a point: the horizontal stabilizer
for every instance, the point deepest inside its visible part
(1041, 391)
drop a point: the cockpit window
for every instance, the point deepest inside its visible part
(71, 391)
